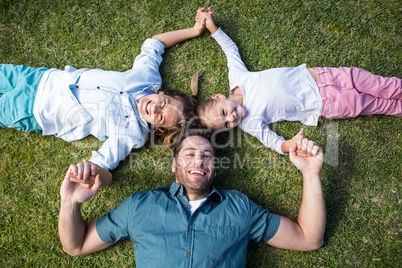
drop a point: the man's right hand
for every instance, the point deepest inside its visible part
(75, 192)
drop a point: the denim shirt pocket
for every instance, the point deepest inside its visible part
(120, 112)
(117, 116)
(222, 241)
(71, 116)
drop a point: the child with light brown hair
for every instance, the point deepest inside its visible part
(119, 108)
(293, 94)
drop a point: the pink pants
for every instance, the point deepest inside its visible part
(349, 92)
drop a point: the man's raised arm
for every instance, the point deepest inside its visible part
(308, 233)
(76, 236)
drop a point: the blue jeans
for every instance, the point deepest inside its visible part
(18, 86)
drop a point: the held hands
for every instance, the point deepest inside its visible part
(75, 188)
(295, 140)
(83, 180)
(84, 173)
(199, 25)
(207, 16)
(200, 21)
(307, 157)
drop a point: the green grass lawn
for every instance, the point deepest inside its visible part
(362, 177)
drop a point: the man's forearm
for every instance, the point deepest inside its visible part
(71, 228)
(312, 213)
(308, 233)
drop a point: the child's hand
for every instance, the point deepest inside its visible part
(73, 192)
(297, 139)
(86, 172)
(199, 26)
(84, 183)
(208, 12)
(208, 15)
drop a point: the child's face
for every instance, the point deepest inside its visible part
(160, 110)
(224, 114)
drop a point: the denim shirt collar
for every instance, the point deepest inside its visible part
(152, 89)
(141, 119)
(178, 189)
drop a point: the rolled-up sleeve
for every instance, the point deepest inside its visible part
(145, 71)
(151, 55)
(115, 149)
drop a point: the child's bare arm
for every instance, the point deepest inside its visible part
(172, 38)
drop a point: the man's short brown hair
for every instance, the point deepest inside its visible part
(202, 132)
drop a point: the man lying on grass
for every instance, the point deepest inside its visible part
(192, 222)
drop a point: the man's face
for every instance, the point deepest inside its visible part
(194, 165)
(160, 110)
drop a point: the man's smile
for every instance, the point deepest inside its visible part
(197, 172)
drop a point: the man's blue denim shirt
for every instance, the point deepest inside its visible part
(165, 234)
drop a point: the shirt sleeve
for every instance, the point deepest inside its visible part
(116, 148)
(145, 71)
(151, 54)
(114, 226)
(258, 129)
(235, 64)
(263, 224)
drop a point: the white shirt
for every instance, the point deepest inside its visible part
(195, 204)
(271, 95)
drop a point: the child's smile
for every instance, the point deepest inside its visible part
(225, 114)
(160, 110)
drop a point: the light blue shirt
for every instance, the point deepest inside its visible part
(165, 233)
(272, 95)
(73, 104)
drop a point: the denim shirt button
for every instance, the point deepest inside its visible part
(185, 207)
(188, 254)
(190, 228)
